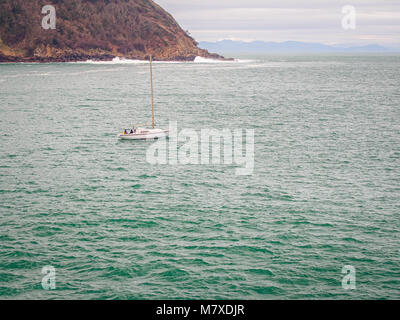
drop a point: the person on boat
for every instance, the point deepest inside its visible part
(125, 132)
(131, 131)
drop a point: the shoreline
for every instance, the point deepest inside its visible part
(101, 58)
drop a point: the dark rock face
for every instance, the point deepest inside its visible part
(93, 29)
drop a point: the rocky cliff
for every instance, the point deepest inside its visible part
(92, 29)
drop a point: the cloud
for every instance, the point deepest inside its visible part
(303, 20)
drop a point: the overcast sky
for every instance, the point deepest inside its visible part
(377, 21)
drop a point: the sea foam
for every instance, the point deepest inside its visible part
(208, 60)
(118, 60)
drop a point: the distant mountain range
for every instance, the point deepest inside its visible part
(287, 46)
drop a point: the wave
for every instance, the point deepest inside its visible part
(199, 59)
(118, 60)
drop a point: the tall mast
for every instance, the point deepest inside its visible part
(152, 95)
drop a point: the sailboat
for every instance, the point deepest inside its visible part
(142, 133)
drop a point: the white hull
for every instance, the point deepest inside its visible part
(145, 134)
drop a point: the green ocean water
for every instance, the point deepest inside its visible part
(324, 193)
